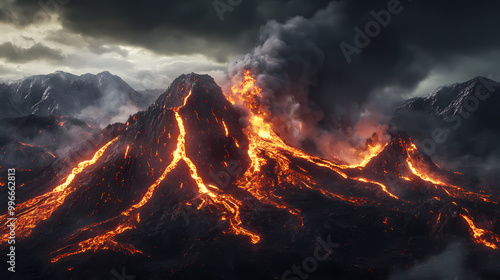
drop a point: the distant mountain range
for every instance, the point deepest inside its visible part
(98, 99)
(46, 116)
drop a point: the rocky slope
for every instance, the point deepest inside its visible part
(183, 190)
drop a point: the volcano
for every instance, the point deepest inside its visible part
(196, 187)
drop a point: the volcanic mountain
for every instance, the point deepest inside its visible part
(196, 187)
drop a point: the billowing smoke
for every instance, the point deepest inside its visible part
(323, 74)
(287, 62)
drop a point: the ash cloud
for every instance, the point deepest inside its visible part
(310, 86)
(309, 81)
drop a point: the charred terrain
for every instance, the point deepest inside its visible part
(195, 187)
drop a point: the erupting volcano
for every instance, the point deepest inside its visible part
(201, 172)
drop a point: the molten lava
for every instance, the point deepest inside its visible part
(482, 236)
(208, 194)
(265, 143)
(291, 170)
(40, 208)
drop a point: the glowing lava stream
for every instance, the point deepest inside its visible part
(456, 191)
(263, 139)
(265, 143)
(479, 234)
(40, 208)
(222, 202)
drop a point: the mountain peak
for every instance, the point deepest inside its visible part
(200, 86)
(105, 73)
(449, 99)
(62, 93)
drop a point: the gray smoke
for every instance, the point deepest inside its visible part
(327, 100)
(449, 265)
(286, 63)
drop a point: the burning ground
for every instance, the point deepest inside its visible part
(201, 185)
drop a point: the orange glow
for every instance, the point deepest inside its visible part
(51, 154)
(225, 128)
(41, 207)
(264, 141)
(126, 152)
(268, 153)
(24, 144)
(208, 193)
(482, 236)
(384, 188)
(416, 167)
(363, 157)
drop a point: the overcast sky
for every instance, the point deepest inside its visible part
(149, 43)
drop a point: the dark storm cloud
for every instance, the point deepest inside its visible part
(16, 54)
(425, 35)
(420, 37)
(171, 27)
(19, 14)
(301, 64)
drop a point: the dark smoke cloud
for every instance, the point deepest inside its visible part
(166, 27)
(308, 79)
(302, 67)
(424, 35)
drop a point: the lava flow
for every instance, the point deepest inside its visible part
(40, 208)
(208, 194)
(265, 143)
(274, 174)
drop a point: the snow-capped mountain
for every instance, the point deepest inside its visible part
(100, 98)
(449, 101)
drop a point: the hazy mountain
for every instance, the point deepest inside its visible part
(458, 126)
(98, 99)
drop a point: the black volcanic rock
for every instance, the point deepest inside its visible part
(204, 116)
(181, 236)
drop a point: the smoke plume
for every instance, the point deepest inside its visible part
(286, 63)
